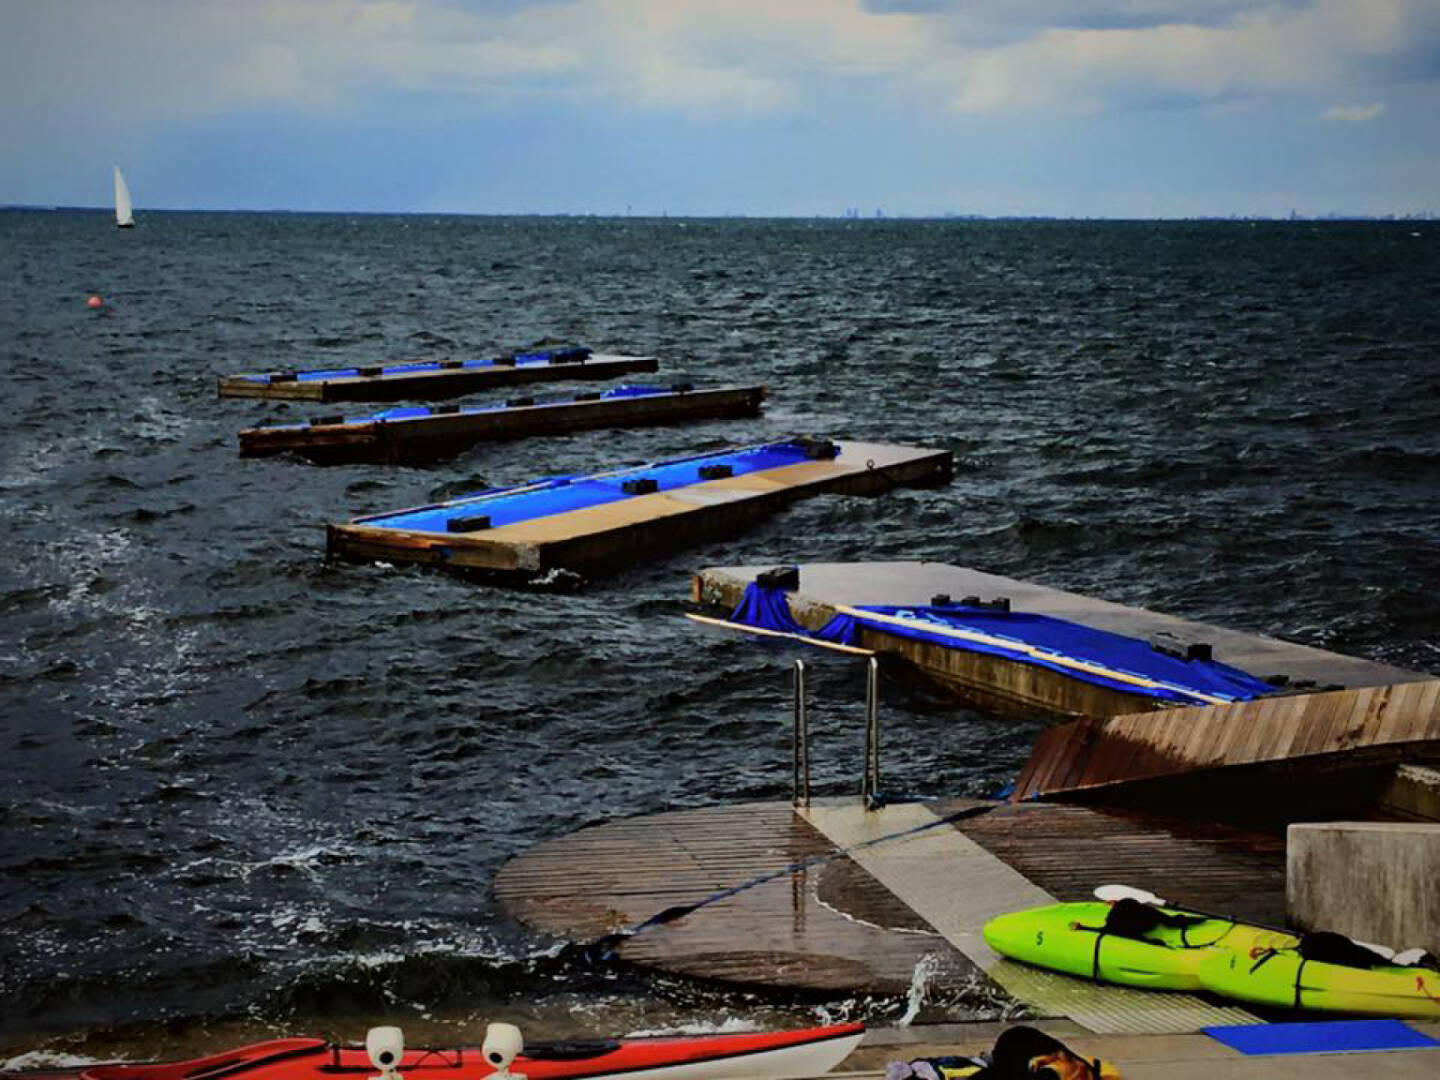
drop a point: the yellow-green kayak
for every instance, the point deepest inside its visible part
(1284, 978)
(1073, 938)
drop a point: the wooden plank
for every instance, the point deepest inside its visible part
(762, 632)
(1069, 850)
(1420, 705)
(1362, 727)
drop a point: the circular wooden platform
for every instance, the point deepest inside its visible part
(828, 928)
(833, 928)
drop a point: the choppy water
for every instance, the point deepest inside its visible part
(245, 787)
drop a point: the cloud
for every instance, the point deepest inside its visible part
(1353, 114)
(742, 57)
(1255, 51)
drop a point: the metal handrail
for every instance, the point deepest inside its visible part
(870, 784)
(800, 773)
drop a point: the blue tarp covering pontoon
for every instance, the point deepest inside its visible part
(562, 494)
(1080, 652)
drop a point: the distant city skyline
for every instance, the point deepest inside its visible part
(912, 108)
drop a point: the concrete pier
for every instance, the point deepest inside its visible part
(1375, 881)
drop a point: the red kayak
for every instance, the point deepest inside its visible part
(771, 1055)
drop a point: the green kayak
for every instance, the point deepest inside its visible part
(1286, 978)
(1158, 949)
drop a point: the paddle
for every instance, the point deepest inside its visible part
(1112, 893)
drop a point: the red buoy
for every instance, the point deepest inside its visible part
(94, 302)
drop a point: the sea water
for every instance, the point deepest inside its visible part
(247, 791)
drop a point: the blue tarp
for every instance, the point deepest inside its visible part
(769, 609)
(1015, 634)
(559, 495)
(627, 391)
(415, 412)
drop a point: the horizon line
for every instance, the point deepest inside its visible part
(1293, 216)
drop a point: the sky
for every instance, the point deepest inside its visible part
(1073, 108)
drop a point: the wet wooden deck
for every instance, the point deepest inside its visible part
(446, 432)
(616, 533)
(827, 928)
(1008, 686)
(832, 926)
(1205, 865)
(1359, 729)
(428, 385)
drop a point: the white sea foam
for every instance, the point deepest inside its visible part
(48, 1059)
(920, 981)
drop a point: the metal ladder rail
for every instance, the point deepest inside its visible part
(870, 783)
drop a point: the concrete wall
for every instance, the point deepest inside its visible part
(1376, 881)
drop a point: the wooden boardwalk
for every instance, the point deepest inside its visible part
(639, 526)
(445, 379)
(424, 435)
(1009, 686)
(831, 926)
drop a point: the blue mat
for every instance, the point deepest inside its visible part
(1329, 1037)
(562, 494)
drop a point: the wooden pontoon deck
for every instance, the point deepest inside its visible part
(471, 534)
(423, 381)
(1009, 686)
(413, 436)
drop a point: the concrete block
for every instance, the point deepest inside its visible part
(1413, 791)
(1376, 881)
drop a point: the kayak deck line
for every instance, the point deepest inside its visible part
(843, 926)
(424, 380)
(588, 523)
(418, 435)
(726, 624)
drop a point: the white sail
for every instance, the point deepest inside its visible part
(124, 215)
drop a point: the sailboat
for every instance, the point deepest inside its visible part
(124, 215)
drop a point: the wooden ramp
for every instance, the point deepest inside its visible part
(493, 534)
(426, 380)
(420, 434)
(1009, 686)
(957, 886)
(1306, 737)
(860, 921)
